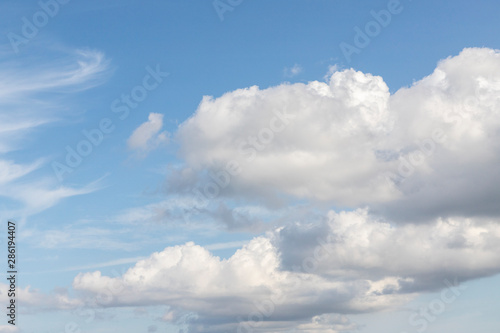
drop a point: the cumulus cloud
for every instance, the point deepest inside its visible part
(428, 150)
(415, 174)
(190, 279)
(352, 263)
(307, 140)
(357, 245)
(455, 175)
(147, 136)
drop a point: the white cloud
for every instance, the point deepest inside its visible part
(331, 70)
(352, 263)
(426, 151)
(226, 245)
(322, 146)
(147, 136)
(38, 195)
(190, 279)
(80, 70)
(360, 245)
(10, 171)
(34, 299)
(26, 105)
(21, 86)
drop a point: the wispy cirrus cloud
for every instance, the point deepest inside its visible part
(80, 70)
(39, 195)
(31, 96)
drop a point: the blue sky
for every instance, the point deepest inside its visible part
(389, 153)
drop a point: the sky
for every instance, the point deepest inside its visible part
(251, 166)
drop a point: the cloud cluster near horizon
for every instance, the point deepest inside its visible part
(349, 264)
(416, 173)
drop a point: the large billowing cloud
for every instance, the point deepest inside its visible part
(351, 263)
(308, 140)
(251, 283)
(428, 150)
(416, 175)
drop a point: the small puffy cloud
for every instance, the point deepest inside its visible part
(292, 71)
(148, 136)
(331, 69)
